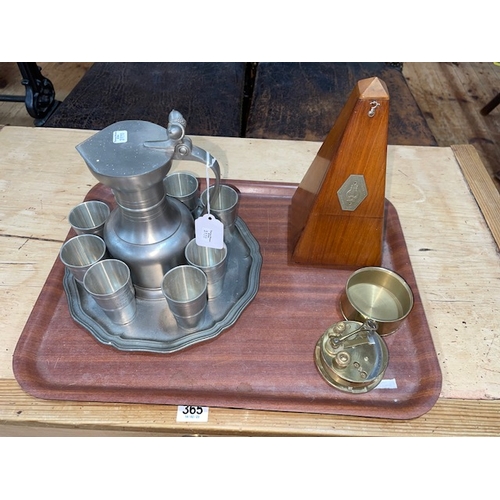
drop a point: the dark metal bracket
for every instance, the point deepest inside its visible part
(40, 95)
(488, 108)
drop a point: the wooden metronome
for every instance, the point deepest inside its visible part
(337, 212)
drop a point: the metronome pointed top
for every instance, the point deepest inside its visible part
(371, 88)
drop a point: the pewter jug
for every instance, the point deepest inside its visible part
(147, 230)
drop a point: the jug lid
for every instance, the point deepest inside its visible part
(118, 150)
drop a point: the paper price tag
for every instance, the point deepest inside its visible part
(209, 232)
(192, 413)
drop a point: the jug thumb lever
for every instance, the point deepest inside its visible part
(181, 147)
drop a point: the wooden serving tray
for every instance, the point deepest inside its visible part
(264, 361)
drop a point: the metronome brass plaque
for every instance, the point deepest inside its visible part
(352, 192)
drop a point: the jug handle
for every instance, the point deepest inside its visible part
(183, 149)
(202, 156)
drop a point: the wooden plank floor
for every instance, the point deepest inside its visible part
(449, 94)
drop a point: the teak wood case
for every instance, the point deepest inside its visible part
(321, 231)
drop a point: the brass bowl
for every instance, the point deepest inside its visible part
(379, 294)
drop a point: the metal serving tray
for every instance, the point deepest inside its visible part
(154, 328)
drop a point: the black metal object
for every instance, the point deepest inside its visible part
(488, 108)
(485, 111)
(40, 97)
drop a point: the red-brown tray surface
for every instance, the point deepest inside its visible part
(265, 361)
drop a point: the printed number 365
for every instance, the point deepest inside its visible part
(192, 410)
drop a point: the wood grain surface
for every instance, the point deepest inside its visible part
(29, 416)
(484, 191)
(294, 100)
(264, 362)
(451, 96)
(324, 231)
(452, 252)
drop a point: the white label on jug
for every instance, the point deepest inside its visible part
(209, 232)
(192, 413)
(120, 136)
